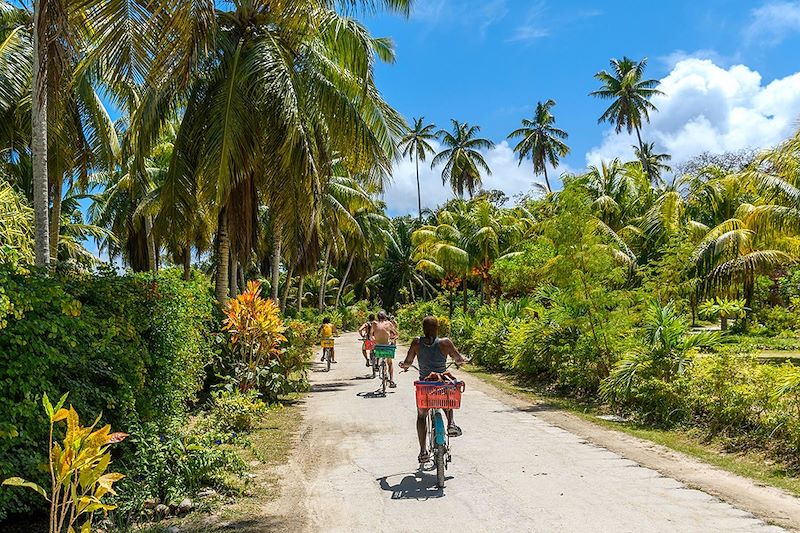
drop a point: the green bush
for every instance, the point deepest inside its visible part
(172, 463)
(235, 411)
(409, 317)
(132, 347)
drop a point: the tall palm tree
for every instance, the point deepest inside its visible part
(541, 140)
(462, 160)
(42, 21)
(415, 144)
(630, 93)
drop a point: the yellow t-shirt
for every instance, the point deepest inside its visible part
(327, 331)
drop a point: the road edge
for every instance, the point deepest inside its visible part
(771, 504)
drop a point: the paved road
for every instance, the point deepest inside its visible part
(511, 471)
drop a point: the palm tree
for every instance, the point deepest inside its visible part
(274, 104)
(415, 144)
(631, 95)
(541, 140)
(463, 162)
(653, 163)
(42, 21)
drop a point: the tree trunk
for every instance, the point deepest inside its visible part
(645, 164)
(276, 264)
(39, 135)
(286, 288)
(234, 274)
(344, 280)
(546, 180)
(55, 218)
(223, 256)
(187, 263)
(452, 302)
(324, 280)
(300, 293)
(419, 194)
(152, 256)
(723, 323)
(464, 303)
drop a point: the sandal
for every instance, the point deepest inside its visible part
(423, 457)
(392, 385)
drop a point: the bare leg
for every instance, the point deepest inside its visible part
(333, 356)
(422, 429)
(364, 353)
(449, 413)
(391, 370)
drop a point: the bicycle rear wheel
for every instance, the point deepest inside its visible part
(374, 365)
(384, 376)
(327, 359)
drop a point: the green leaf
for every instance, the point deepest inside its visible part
(48, 407)
(19, 482)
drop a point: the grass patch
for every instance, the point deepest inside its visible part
(752, 465)
(269, 445)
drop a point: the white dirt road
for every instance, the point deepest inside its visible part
(355, 469)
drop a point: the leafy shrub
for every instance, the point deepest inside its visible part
(410, 316)
(79, 480)
(132, 347)
(780, 320)
(171, 463)
(235, 411)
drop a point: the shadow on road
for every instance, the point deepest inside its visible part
(330, 387)
(414, 486)
(374, 394)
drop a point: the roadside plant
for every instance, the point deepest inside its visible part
(722, 309)
(77, 470)
(256, 330)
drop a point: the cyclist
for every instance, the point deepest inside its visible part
(383, 332)
(365, 331)
(432, 352)
(326, 331)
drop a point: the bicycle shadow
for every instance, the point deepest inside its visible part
(414, 486)
(374, 394)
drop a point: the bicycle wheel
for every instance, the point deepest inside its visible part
(439, 460)
(374, 365)
(384, 376)
(327, 359)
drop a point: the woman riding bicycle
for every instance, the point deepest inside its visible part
(432, 352)
(383, 332)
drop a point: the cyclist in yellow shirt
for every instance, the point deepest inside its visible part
(326, 331)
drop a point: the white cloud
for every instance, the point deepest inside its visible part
(471, 14)
(533, 27)
(709, 108)
(507, 175)
(773, 22)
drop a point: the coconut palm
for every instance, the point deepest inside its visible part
(462, 160)
(415, 145)
(630, 93)
(541, 140)
(653, 163)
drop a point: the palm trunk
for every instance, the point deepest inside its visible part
(546, 180)
(419, 194)
(39, 135)
(452, 302)
(234, 274)
(344, 280)
(286, 288)
(645, 164)
(187, 263)
(276, 264)
(55, 218)
(152, 256)
(300, 284)
(464, 303)
(223, 256)
(324, 280)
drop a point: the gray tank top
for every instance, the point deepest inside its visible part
(431, 358)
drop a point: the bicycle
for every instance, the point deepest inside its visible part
(327, 352)
(382, 352)
(436, 396)
(373, 361)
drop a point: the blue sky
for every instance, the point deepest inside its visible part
(488, 62)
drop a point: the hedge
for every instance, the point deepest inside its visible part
(132, 348)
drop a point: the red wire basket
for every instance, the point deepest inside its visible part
(439, 395)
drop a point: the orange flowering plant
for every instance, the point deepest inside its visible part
(256, 330)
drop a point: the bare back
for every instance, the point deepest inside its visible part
(383, 331)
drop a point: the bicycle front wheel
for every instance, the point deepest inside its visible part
(439, 461)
